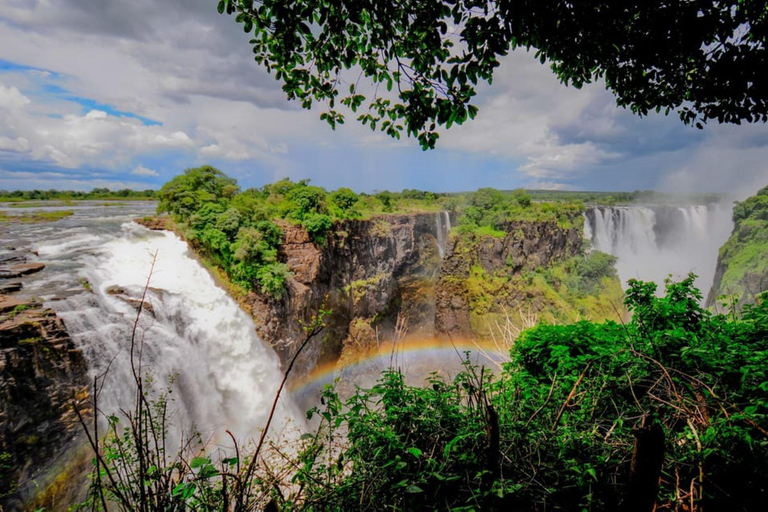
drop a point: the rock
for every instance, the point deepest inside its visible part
(10, 287)
(122, 294)
(116, 290)
(145, 306)
(40, 371)
(10, 303)
(16, 256)
(154, 223)
(362, 272)
(22, 269)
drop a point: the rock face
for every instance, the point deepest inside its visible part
(386, 277)
(742, 264)
(526, 246)
(362, 273)
(40, 373)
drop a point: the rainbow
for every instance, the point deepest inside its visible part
(417, 358)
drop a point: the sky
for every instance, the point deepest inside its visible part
(107, 93)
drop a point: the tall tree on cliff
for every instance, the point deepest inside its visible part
(705, 59)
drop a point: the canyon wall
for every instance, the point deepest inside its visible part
(41, 372)
(406, 276)
(368, 273)
(478, 277)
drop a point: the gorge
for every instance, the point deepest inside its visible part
(391, 276)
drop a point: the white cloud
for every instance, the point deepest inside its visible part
(12, 99)
(18, 145)
(216, 104)
(144, 171)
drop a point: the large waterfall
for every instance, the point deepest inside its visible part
(655, 241)
(224, 376)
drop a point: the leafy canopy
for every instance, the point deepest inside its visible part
(703, 58)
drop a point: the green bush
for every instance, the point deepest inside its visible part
(317, 226)
(345, 199)
(272, 278)
(387, 200)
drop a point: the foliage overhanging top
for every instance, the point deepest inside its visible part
(706, 59)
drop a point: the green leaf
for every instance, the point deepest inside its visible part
(415, 452)
(199, 462)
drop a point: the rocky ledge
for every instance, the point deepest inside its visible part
(155, 223)
(41, 371)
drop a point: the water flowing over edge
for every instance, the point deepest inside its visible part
(194, 335)
(653, 242)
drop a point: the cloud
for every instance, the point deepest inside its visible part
(73, 140)
(12, 99)
(81, 82)
(19, 145)
(143, 171)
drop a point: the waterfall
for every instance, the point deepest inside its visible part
(224, 376)
(442, 228)
(655, 241)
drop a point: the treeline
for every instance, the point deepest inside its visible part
(489, 211)
(634, 197)
(96, 193)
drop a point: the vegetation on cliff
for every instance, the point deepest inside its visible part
(526, 275)
(743, 261)
(668, 411)
(240, 231)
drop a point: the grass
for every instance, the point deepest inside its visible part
(35, 217)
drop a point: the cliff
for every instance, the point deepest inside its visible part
(477, 277)
(40, 373)
(369, 273)
(742, 264)
(408, 275)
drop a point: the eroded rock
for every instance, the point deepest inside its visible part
(40, 372)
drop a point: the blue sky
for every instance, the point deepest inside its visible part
(106, 93)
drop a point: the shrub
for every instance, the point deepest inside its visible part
(345, 199)
(272, 278)
(317, 226)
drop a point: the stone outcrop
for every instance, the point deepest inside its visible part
(40, 373)
(155, 223)
(526, 246)
(362, 273)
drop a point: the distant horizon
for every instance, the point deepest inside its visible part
(4, 192)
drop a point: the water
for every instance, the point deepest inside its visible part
(225, 376)
(442, 228)
(653, 242)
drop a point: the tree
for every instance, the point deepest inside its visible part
(186, 193)
(345, 199)
(703, 58)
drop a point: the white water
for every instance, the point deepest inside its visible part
(654, 242)
(442, 228)
(225, 376)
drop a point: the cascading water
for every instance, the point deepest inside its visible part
(224, 376)
(442, 228)
(653, 241)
